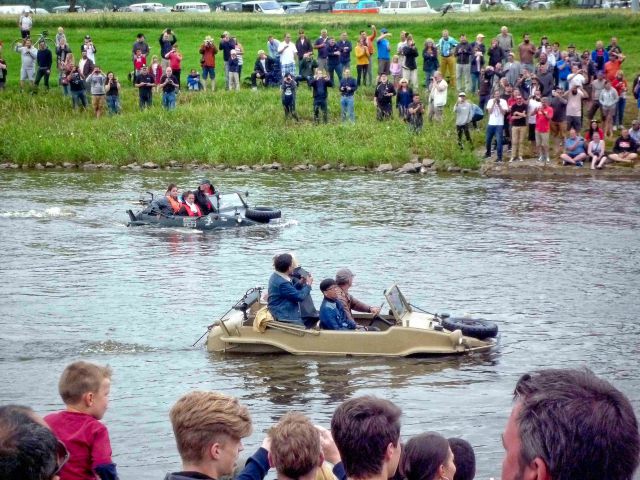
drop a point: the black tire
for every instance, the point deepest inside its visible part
(262, 214)
(472, 327)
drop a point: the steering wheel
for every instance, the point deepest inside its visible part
(383, 320)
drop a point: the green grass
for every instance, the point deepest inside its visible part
(248, 127)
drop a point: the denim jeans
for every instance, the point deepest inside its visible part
(346, 104)
(494, 131)
(113, 104)
(169, 100)
(429, 74)
(337, 69)
(475, 81)
(79, 97)
(619, 116)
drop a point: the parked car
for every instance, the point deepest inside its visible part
(362, 6)
(406, 7)
(320, 6)
(301, 8)
(265, 7)
(287, 5)
(192, 7)
(230, 7)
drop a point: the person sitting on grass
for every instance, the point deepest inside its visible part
(595, 151)
(625, 149)
(288, 89)
(193, 81)
(84, 388)
(191, 208)
(383, 98)
(415, 114)
(320, 84)
(574, 151)
(261, 70)
(332, 314)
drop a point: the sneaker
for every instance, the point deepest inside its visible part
(511, 160)
(541, 158)
(579, 164)
(547, 160)
(520, 159)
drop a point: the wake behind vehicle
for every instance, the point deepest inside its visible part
(231, 211)
(404, 332)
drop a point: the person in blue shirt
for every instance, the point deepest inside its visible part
(384, 52)
(283, 296)
(332, 314)
(319, 84)
(446, 47)
(574, 150)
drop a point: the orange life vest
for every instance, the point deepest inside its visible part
(175, 204)
(190, 212)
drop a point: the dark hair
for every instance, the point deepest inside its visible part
(423, 455)
(464, 459)
(28, 450)
(581, 426)
(326, 284)
(140, 35)
(283, 262)
(186, 194)
(363, 428)
(171, 187)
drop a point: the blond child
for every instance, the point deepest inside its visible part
(395, 70)
(84, 388)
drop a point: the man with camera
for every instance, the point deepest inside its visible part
(96, 81)
(167, 41)
(145, 83)
(169, 84)
(90, 48)
(319, 84)
(208, 51)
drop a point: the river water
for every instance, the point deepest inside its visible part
(556, 264)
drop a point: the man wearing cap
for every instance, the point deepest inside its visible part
(202, 197)
(332, 313)
(261, 69)
(208, 51)
(446, 46)
(344, 281)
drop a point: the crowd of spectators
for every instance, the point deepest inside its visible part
(527, 91)
(564, 424)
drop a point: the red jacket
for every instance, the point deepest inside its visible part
(190, 212)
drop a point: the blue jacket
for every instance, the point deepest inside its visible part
(284, 299)
(333, 317)
(257, 467)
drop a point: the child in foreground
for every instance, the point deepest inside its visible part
(84, 388)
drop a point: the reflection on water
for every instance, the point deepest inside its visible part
(556, 264)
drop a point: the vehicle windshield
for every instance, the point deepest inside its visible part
(270, 5)
(229, 200)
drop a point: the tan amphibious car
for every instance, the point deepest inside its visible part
(248, 328)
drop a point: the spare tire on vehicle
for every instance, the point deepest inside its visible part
(472, 327)
(262, 214)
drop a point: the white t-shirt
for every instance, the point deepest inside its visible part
(532, 108)
(496, 111)
(25, 23)
(576, 79)
(287, 55)
(574, 104)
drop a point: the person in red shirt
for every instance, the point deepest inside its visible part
(139, 61)
(543, 121)
(175, 61)
(84, 388)
(620, 84)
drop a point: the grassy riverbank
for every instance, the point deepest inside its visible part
(247, 127)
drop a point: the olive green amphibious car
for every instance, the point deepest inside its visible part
(249, 329)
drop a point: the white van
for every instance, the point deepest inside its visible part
(266, 7)
(145, 7)
(14, 9)
(195, 7)
(406, 7)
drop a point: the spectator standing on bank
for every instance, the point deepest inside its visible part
(384, 52)
(496, 54)
(320, 84)
(208, 51)
(558, 125)
(287, 52)
(167, 40)
(527, 51)
(226, 45)
(86, 65)
(415, 114)
(410, 68)
(139, 60)
(77, 88)
(145, 83)
(575, 97)
(240, 54)
(599, 56)
(383, 98)
(505, 42)
(463, 110)
(430, 61)
(395, 70)
(308, 66)
(303, 46)
(362, 61)
(404, 97)
(288, 89)
(62, 50)
(345, 48)
(28, 56)
(463, 55)
(90, 48)
(477, 63)
(272, 48)
(96, 81)
(25, 22)
(333, 59)
(596, 87)
(234, 72)
(60, 36)
(169, 85)
(544, 114)
(155, 70)
(44, 59)
(446, 46)
(175, 62)
(348, 87)
(3, 73)
(112, 90)
(518, 120)
(320, 45)
(497, 108)
(609, 105)
(140, 44)
(437, 97)
(620, 84)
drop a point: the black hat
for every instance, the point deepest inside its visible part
(204, 182)
(326, 284)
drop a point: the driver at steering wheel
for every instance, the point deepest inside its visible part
(202, 197)
(344, 281)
